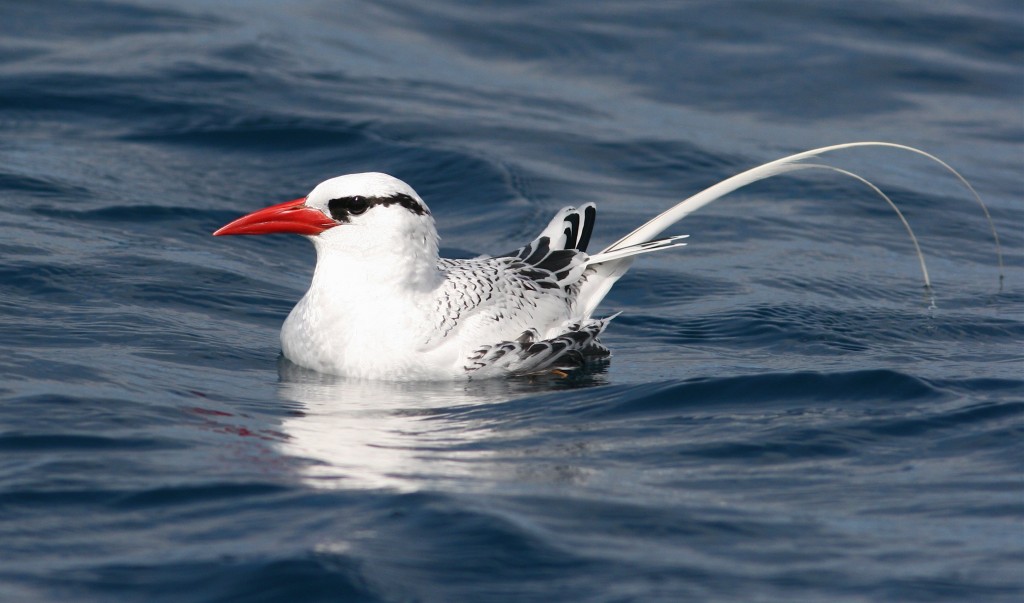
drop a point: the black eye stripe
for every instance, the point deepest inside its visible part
(344, 208)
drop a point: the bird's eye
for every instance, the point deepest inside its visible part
(344, 207)
(358, 205)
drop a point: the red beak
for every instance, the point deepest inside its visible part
(290, 216)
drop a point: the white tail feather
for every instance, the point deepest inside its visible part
(611, 268)
(632, 250)
(903, 219)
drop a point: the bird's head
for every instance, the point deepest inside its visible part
(366, 206)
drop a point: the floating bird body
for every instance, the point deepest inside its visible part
(382, 304)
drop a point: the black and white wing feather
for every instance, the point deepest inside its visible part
(529, 354)
(524, 300)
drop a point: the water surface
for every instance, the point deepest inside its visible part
(787, 415)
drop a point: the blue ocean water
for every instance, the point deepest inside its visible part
(787, 415)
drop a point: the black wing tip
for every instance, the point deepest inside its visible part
(589, 218)
(573, 232)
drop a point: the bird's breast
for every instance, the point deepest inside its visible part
(380, 338)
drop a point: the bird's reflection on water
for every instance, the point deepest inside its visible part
(401, 435)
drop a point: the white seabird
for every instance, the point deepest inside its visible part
(382, 304)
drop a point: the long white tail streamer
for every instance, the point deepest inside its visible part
(903, 219)
(610, 271)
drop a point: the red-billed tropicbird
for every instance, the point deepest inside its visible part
(383, 305)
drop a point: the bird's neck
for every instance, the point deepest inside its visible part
(384, 267)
